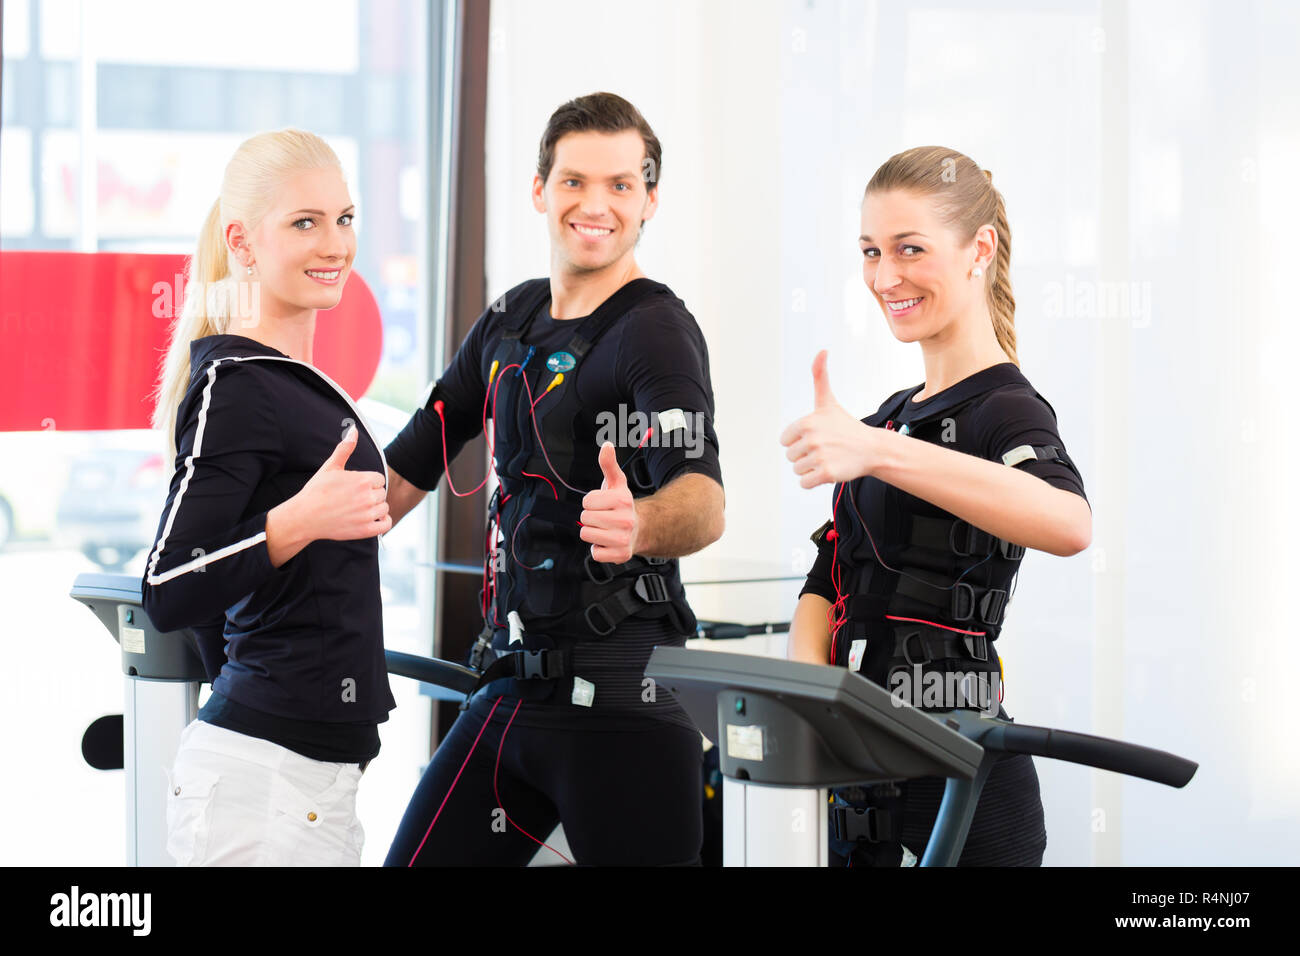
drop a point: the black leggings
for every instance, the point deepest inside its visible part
(1007, 829)
(625, 797)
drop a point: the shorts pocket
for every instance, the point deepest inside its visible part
(190, 795)
(317, 828)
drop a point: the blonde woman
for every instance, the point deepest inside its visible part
(936, 497)
(268, 540)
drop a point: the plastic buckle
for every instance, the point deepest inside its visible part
(963, 601)
(992, 605)
(851, 823)
(907, 653)
(962, 550)
(536, 665)
(819, 535)
(480, 650)
(602, 631)
(651, 589)
(973, 537)
(1012, 552)
(606, 574)
(657, 561)
(977, 647)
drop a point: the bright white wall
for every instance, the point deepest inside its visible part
(1143, 148)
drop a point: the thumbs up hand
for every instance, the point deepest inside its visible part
(829, 445)
(609, 518)
(342, 505)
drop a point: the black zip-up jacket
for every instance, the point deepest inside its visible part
(303, 642)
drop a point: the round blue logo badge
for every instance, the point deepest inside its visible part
(560, 362)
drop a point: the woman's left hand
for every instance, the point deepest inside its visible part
(830, 445)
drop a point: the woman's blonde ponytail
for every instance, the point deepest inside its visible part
(208, 268)
(1002, 304)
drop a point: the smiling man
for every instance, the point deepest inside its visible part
(581, 580)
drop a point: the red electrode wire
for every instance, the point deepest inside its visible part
(918, 620)
(489, 395)
(529, 474)
(497, 793)
(438, 407)
(456, 780)
(837, 613)
(536, 431)
(853, 501)
(542, 445)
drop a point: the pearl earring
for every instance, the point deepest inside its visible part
(976, 272)
(250, 268)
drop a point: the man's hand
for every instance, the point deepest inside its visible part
(609, 518)
(830, 445)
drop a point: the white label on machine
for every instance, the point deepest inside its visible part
(744, 742)
(855, 654)
(132, 640)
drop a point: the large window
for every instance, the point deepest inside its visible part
(117, 122)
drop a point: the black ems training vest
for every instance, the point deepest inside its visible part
(928, 587)
(545, 570)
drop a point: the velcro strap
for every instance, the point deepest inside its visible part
(1023, 453)
(648, 589)
(920, 645)
(942, 534)
(958, 600)
(963, 602)
(602, 572)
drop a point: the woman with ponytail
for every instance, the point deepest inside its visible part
(267, 546)
(936, 497)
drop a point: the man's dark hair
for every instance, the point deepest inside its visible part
(601, 113)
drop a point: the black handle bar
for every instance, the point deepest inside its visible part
(1100, 752)
(456, 677)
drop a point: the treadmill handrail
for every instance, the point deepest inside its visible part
(1104, 753)
(431, 670)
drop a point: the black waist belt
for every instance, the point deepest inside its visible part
(962, 602)
(526, 665)
(920, 644)
(617, 678)
(921, 648)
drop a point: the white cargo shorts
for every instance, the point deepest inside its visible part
(235, 800)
